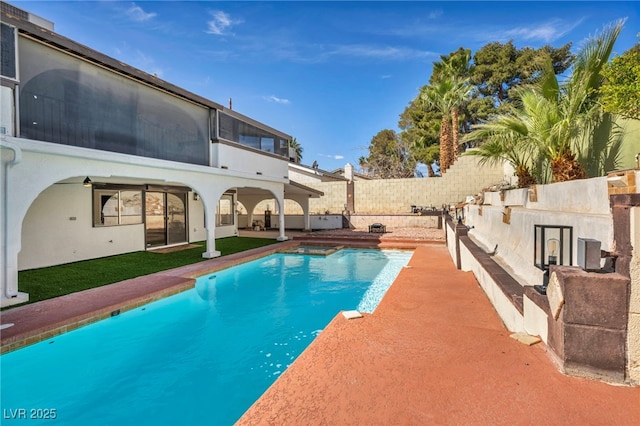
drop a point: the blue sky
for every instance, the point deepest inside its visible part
(331, 74)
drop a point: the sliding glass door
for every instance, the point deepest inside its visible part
(165, 218)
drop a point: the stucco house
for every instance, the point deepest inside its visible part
(100, 158)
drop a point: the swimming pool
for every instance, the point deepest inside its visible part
(200, 357)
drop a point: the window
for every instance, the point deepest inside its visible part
(116, 207)
(267, 144)
(224, 215)
(236, 130)
(8, 51)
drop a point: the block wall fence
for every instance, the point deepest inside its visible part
(393, 196)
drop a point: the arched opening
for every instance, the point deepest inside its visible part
(253, 212)
(70, 221)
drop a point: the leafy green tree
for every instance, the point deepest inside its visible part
(499, 68)
(621, 89)
(496, 69)
(293, 143)
(554, 123)
(427, 155)
(419, 131)
(389, 157)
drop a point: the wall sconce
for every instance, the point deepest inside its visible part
(553, 245)
(87, 182)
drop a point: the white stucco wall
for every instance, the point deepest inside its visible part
(535, 319)
(451, 241)
(244, 161)
(305, 175)
(585, 196)
(58, 229)
(297, 221)
(584, 205)
(510, 316)
(197, 229)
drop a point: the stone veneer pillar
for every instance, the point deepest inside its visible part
(626, 233)
(588, 338)
(597, 313)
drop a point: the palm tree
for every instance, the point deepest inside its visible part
(460, 96)
(364, 164)
(293, 143)
(545, 129)
(579, 105)
(448, 92)
(457, 67)
(446, 95)
(506, 138)
(436, 96)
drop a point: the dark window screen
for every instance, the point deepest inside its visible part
(68, 101)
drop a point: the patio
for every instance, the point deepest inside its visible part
(434, 352)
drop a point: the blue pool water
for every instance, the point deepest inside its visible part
(200, 357)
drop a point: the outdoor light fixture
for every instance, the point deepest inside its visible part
(589, 254)
(87, 182)
(553, 245)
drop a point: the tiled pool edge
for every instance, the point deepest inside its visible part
(178, 280)
(34, 336)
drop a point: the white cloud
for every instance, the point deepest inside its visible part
(221, 23)
(136, 13)
(277, 100)
(547, 32)
(143, 61)
(384, 77)
(334, 156)
(387, 52)
(434, 14)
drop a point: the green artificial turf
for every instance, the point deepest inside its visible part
(54, 281)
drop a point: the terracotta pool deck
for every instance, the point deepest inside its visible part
(433, 352)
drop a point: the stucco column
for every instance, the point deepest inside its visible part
(280, 200)
(10, 229)
(210, 202)
(304, 203)
(307, 216)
